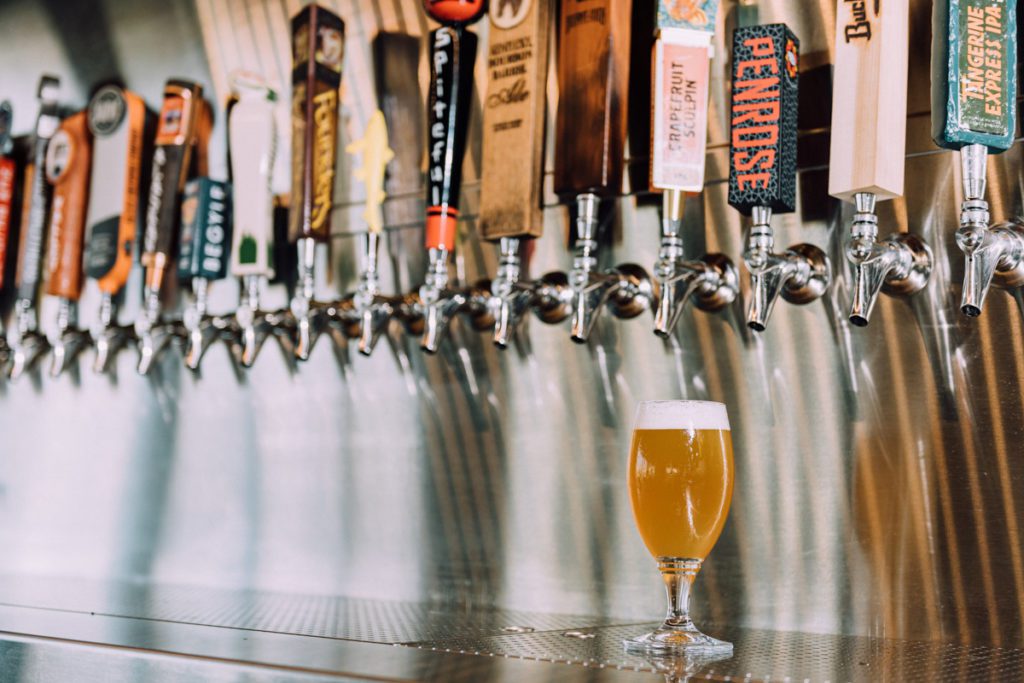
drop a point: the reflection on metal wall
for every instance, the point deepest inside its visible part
(879, 477)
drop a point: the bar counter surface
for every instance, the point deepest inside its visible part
(69, 629)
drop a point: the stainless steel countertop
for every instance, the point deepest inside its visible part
(62, 629)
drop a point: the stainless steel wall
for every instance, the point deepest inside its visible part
(879, 470)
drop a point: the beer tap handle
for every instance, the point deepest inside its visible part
(762, 167)
(512, 175)
(252, 135)
(974, 108)
(203, 257)
(8, 172)
(681, 62)
(593, 74)
(180, 131)
(318, 40)
(68, 164)
(452, 50)
(29, 343)
(376, 155)
(118, 121)
(867, 159)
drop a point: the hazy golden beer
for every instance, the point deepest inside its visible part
(680, 476)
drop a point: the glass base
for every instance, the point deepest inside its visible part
(676, 640)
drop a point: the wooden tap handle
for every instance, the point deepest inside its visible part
(869, 99)
(68, 162)
(252, 136)
(205, 229)
(593, 75)
(762, 154)
(37, 196)
(177, 135)
(512, 177)
(452, 55)
(396, 59)
(8, 170)
(974, 73)
(119, 122)
(318, 48)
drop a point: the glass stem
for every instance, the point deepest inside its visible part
(678, 574)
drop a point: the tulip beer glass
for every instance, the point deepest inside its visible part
(680, 487)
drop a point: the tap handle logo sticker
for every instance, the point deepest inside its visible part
(205, 230)
(452, 12)
(452, 55)
(68, 163)
(763, 116)
(376, 155)
(974, 73)
(37, 195)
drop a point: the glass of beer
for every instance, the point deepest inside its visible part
(680, 487)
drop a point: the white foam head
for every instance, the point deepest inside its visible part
(681, 415)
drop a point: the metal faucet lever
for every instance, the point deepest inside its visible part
(109, 337)
(712, 279)
(899, 265)
(512, 297)
(800, 275)
(69, 341)
(440, 304)
(992, 255)
(626, 288)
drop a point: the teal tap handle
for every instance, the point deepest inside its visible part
(974, 73)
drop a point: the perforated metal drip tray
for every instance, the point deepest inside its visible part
(460, 644)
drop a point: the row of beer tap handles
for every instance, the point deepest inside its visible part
(867, 160)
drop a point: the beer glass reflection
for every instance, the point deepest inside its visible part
(680, 488)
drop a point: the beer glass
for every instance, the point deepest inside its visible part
(680, 487)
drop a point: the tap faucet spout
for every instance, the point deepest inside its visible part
(29, 344)
(712, 280)
(69, 341)
(109, 337)
(992, 255)
(799, 275)
(899, 265)
(512, 296)
(308, 315)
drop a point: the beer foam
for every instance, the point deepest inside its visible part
(681, 415)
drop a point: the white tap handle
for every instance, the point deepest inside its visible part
(253, 139)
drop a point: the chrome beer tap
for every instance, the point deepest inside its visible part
(711, 280)
(682, 53)
(992, 254)
(899, 265)
(68, 161)
(452, 55)
(182, 131)
(118, 121)
(512, 174)
(626, 289)
(372, 310)
(205, 240)
(318, 38)
(29, 343)
(970, 117)
(252, 135)
(762, 168)
(593, 73)
(868, 149)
